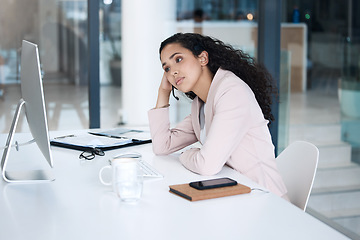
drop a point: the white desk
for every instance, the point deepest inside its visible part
(77, 206)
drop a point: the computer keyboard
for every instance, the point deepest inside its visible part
(148, 170)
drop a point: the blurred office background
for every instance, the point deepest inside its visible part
(319, 73)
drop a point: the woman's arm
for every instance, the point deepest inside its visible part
(164, 139)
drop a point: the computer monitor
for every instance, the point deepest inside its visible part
(32, 98)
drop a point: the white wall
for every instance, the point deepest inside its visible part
(143, 29)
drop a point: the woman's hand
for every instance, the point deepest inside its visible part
(165, 84)
(164, 93)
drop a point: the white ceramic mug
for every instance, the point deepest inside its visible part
(127, 178)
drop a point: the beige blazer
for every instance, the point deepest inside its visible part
(236, 134)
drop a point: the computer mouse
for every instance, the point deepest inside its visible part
(128, 155)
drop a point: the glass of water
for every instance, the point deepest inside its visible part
(127, 178)
(128, 182)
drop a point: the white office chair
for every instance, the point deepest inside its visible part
(297, 165)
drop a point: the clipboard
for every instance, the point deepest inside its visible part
(90, 143)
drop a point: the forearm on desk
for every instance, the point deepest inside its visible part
(166, 140)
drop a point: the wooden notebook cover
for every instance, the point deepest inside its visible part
(192, 194)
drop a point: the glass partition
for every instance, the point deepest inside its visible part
(59, 28)
(349, 96)
(323, 110)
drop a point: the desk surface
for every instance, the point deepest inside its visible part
(77, 206)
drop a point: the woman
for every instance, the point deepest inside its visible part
(230, 110)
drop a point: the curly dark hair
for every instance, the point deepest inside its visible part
(224, 56)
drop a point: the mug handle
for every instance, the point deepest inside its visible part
(100, 176)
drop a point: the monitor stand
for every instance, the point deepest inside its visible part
(20, 176)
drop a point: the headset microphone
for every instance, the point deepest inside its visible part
(173, 93)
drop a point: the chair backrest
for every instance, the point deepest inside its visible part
(297, 165)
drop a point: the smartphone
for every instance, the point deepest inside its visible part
(213, 183)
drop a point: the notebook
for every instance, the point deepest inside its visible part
(192, 194)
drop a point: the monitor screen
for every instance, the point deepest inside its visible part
(32, 94)
(33, 100)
